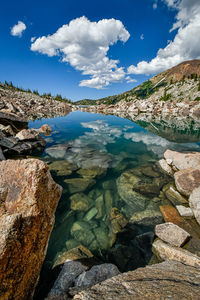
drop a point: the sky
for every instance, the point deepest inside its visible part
(93, 49)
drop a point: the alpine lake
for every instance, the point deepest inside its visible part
(112, 187)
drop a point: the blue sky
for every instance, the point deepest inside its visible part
(102, 47)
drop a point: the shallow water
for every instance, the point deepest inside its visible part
(98, 160)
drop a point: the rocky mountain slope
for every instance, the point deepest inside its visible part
(179, 83)
(29, 105)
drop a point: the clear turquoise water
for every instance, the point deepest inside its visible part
(81, 141)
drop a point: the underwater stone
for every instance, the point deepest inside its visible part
(102, 238)
(81, 231)
(91, 214)
(147, 218)
(92, 172)
(108, 198)
(80, 201)
(99, 203)
(62, 167)
(77, 185)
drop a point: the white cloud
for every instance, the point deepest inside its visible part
(84, 45)
(130, 80)
(186, 44)
(18, 29)
(33, 39)
(142, 37)
(155, 5)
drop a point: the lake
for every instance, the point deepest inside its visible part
(112, 186)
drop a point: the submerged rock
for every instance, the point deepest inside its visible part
(29, 197)
(92, 172)
(82, 232)
(172, 234)
(62, 167)
(169, 279)
(147, 217)
(80, 201)
(78, 253)
(76, 185)
(57, 151)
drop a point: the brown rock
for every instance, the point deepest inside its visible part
(187, 180)
(27, 134)
(167, 280)
(28, 198)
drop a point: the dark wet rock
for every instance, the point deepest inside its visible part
(172, 234)
(169, 279)
(96, 274)
(187, 180)
(2, 157)
(80, 201)
(76, 185)
(6, 130)
(70, 271)
(168, 252)
(17, 123)
(194, 202)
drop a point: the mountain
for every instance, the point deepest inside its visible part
(178, 83)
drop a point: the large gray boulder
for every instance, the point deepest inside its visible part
(167, 280)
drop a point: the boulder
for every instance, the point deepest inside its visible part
(27, 134)
(96, 274)
(167, 280)
(184, 211)
(194, 202)
(29, 197)
(187, 180)
(70, 271)
(165, 167)
(172, 234)
(183, 160)
(167, 252)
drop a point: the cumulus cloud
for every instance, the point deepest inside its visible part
(185, 45)
(84, 45)
(129, 79)
(18, 29)
(33, 39)
(155, 5)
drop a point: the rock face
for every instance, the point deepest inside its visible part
(183, 160)
(172, 234)
(187, 180)
(194, 201)
(29, 197)
(167, 280)
(168, 252)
